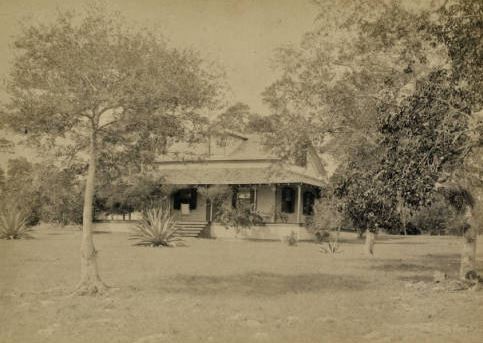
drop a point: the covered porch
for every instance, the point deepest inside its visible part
(283, 196)
(284, 208)
(276, 203)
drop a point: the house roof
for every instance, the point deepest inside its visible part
(248, 147)
(194, 174)
(246, 160)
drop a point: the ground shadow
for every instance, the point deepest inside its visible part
(400, 243)
(417, 278)
(101, 232)
(427, 264)
(381, 239)
(396, 266)
(262, 284)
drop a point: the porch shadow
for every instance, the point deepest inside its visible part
(259, 284)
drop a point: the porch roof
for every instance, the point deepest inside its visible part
(192, 174)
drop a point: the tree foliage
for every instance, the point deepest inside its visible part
(107, 93)
(240, 118)
(394, 93)
(135, 193)
(43, 191)
(436, 129)
(79, 75)
(332, 84)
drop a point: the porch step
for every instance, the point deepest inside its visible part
(190, 229)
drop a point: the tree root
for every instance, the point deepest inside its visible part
(91, 288)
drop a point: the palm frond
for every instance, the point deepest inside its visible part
(13, 223)
(156, 228)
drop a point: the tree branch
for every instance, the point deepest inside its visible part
(104, 110)
(103, 126)
(452, 107)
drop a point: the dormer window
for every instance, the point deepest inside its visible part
(222, 141)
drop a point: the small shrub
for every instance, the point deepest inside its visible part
(283, 217)
(333, 246)
(156, 228)
(239, 218)
(322, 235)
(439, 218)
(292, 239)
(13, 224)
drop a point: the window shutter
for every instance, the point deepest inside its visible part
(288, 200)
(193, 198)
(234, 198)
(177, 200)
(292, 200)
(308, 203)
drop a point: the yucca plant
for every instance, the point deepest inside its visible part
(13, 223)
(156, 228)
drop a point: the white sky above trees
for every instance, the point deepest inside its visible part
(238, 35)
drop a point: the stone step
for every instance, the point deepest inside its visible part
(190, 229)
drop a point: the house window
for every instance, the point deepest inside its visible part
(288, 200)
(185, 196)
(243, 198)
(308, 203)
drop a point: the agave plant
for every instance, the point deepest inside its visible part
(156, 228)
(13, 223)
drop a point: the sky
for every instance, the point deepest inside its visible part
(238, 35)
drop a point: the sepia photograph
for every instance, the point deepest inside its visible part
(237, 171)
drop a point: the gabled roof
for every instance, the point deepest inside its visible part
(245, 147)
(229, 174)
(247, 160)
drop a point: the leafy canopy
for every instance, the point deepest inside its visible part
(91, 74)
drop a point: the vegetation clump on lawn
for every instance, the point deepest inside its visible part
(156, 228)
(13, 223)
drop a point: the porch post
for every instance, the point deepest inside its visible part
(299, 203)
(211, 206)
(274, 214)
(255, 198)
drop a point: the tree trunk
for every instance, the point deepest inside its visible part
(468, 253)
(369, 245)
(90, 282)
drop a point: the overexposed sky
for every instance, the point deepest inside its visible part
(239, 35)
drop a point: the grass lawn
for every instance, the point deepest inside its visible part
(236, 291)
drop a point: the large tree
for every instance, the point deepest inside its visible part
(240, 118)
(332, 88)
(434, 138)
(89, 84)
(396, 90)
(333, 82)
